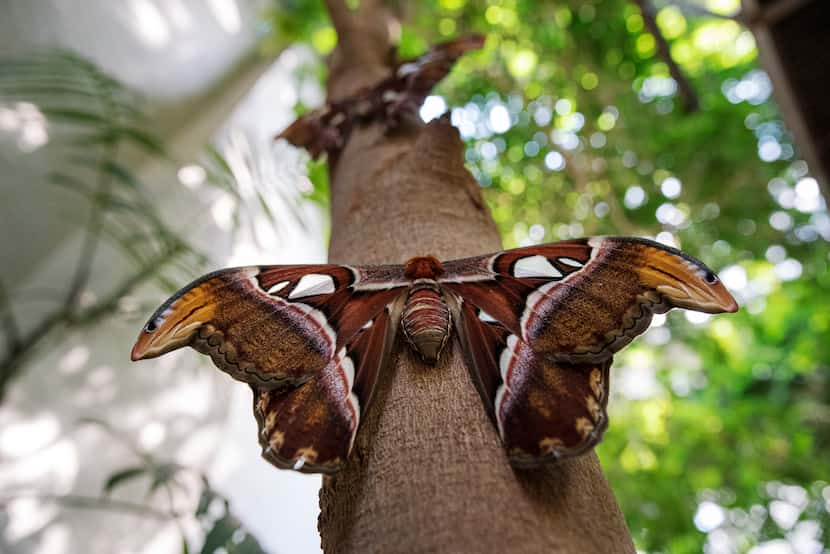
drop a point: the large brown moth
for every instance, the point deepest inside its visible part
(538, 325)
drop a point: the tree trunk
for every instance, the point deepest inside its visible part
(428, 472)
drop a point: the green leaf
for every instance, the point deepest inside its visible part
(90, 420)
(163, 474)
(47, 91)
(84, 159)
(121, 477)
(263, 202)
(96, 138)
(69, 182)
(248, 545)
(319, 176)
(217, 158)
(220, 534)
(143, 139)
(205, 500)
(115, 203)
(121, 174)
(71, 115)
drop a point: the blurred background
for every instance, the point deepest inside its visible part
(137, 152)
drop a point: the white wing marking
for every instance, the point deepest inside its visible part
(312, 284)
(535, 266)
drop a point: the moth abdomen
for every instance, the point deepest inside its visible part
(426, 319)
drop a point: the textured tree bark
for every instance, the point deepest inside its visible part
(428, 473)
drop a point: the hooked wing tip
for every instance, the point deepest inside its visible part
(139, 351)
(716, 300)
(731, 307)
(684, 281)
(723, 299)
(148, 345)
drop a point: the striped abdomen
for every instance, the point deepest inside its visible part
(426, 319)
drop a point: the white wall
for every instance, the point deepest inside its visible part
(170, 50)
(178, 406)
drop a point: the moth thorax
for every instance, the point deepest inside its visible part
(423, 267)
(426, 319)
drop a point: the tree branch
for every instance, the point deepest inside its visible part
(67, 315)
(361, 58)
(340, 14)
(690, 8)
(684, 87)
(756, 14)
(427, 472)
(100, 503)
(110, 303)
(14, 360)
(12, 330)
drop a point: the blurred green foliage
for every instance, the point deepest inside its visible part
(223, 531)
(719, 428)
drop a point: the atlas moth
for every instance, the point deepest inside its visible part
(538, 327)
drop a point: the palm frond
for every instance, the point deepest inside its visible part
(95, 121)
